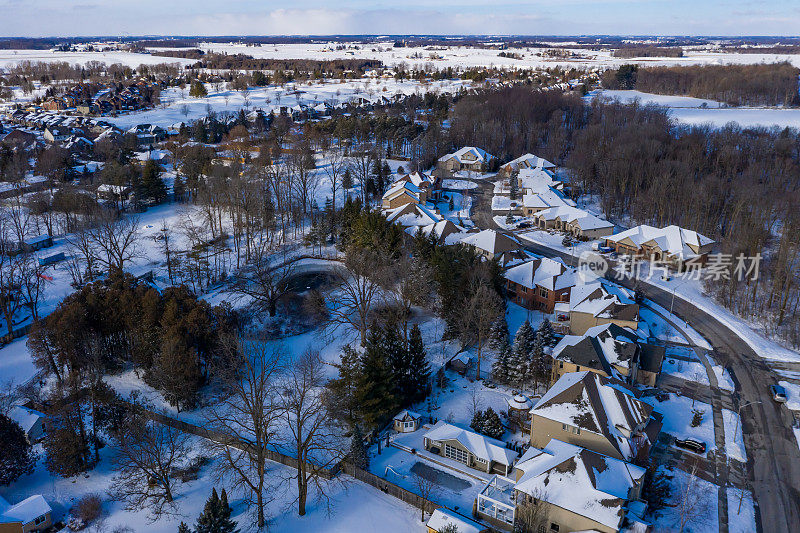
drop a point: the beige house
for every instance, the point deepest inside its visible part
(525, 162)
(492, 244)
(467, 447)
(441, 518)
(412, 215)
(406, 421)
(610, 351)
(596, 303)
(444, 232)
(31, 514)
(566, 488)
(467, 158)
(676, 246)
(597, 413)
(402, 193)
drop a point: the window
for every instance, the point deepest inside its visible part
(542, 529)
(40, 519)
(543, 292)
(577, 431)
(456, 453)
(564, 427)
(577, 368)
(553, 527)
(408, 424)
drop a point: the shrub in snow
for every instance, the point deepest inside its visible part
(697, 417)
(88, 508)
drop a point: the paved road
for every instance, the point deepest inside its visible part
(772, 452)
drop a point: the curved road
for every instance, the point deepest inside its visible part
(773, 456)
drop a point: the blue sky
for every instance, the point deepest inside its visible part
(303, 17)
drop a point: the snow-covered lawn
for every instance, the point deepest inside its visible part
(658, 327)
(16, 366)
(741, 512)
(734, 444)
(724, 379)
(459, 184)
(677, 411)
(694, 498)
(688, 370)
(792, 394)
(349, 500)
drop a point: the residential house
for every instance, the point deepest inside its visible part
(575, 221)
(595, 303)
(56, 135)
(676, 246)
(467, 447)
(19, 140)
(402, 193)
(426, 183)
(524, 162)
(611, 351)
(568, 488)
(414, 216)
(444, 232)
(31, 421)
(445, 517)
(540, 284)
(461, 363)
(467, 158)
(32, 244)
(495, 245)
(31, 514)
(597, 413)
(406, 421)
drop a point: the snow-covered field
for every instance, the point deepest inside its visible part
(741, 512)
(12, 57)
(177, 106)
(349, 500)
(695, 111)
(695, 499)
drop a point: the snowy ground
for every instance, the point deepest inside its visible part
(677, 411)
(695, 111)
(459, 184)
(177, 106)
(734, 445)
(386, 513)
(658, 327)
(741, 518)
(16, 366)
(699, 499)
(688, 370)
(724, 379)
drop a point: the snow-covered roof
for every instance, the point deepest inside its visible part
(574, 215)
(603, 300)
(413, 214)
(405, 413)
(417, 178)
(519, 401)
(600, 347)
(441, 517)
(25, 511)
(545, 199)
(529, 161)
(492, 241)
(548, 273)
(579, 480)
(25, 417)
(477, 154)
(478, 445)
(599, 405)
(673, 240)
(537, 180)
(445, 231)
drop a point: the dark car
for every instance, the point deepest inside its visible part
(691, 444)
(523, 225)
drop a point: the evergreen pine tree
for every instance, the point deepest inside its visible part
(208, 519)
(492, 425)
(375, 396)
(183, 528)
(478, 421)
(498, 335)
(346, 385)
(397, 357)
(538, 360)
(501, 368)
(358, 451)
(224, 522)
(152, 184)
(547, 332)
(520, 356)
(16, 454)
(420, 378)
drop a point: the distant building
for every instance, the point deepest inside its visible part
(31, 514)
(31, 421)
(467, 158)
(674, 245)
(470, 448)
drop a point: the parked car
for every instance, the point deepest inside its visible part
(692, 445)
(778, 393)
(523, 225)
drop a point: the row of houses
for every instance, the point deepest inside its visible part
(585, 434)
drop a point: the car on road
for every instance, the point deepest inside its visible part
(778, 393)
(523, 225)
(692, 445)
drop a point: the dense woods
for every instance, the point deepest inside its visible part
(739, 186)
(760, 84)
(648, 51)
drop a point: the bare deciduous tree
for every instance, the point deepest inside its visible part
(480, 311)
(316, 441)
(248, 414)
(116, 239)
(532, 512)
(265, 279)
(359, 287)
(426, 486)
(148, 453)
